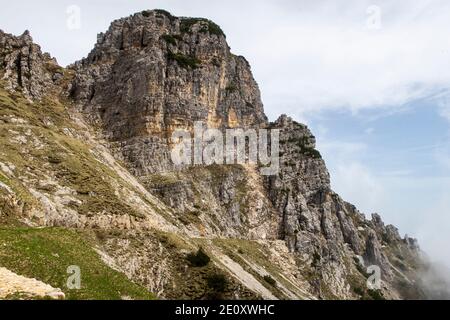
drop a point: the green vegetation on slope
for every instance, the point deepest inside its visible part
(172, 38)
(206, 26)
(241, 251)
(45, 254)
(184, 61)
(46, 145)
(304, 149)
(199, 259)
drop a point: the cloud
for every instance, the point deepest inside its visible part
(315, 60)
(433, 229)
(308, 56)
(417, 205)
(355, 182)
(350, 178)
(445, 112)
(442, 154)
(435, 233)
(342, 150)
(443, 102)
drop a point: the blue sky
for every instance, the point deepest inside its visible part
(371, 79)
(395, 164)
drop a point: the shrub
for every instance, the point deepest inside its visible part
(217, 283)
(359, 291)
(55, 159)
(186, 24)
(184, 61)
(199, 259)
(376, 294)
(147, 13)
(169, 39)
(270, 280)
(313, 153)
(231, 88)
(164, 13)
(213, 28)
(316, 258)
(208, 26)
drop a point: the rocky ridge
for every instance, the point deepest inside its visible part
(26, 68)
(11, 283)
(101, 164)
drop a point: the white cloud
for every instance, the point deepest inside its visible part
(369, 131)
(442, 154)
(315, 60)
(340, 150)
(356, 183)
(445, 112)
(443, 101)
(433, 230)
(350, 178)
(306, 55)
(417, 205)
(425, 216)
(428, 219)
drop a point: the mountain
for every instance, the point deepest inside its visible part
(87, 179)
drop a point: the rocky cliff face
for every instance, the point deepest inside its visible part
(152, 73)
(88, 147)
(25, 67)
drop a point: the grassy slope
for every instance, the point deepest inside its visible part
(46, 253)
(68, 157)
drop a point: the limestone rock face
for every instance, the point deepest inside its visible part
(152, 73)
(25, 67)
(373, 252)
(98, 158)
(317, 224)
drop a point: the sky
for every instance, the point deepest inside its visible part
(370, 78)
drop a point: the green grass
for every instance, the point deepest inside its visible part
(45, 254)
(70, 158)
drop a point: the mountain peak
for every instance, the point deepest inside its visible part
(151, 73)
